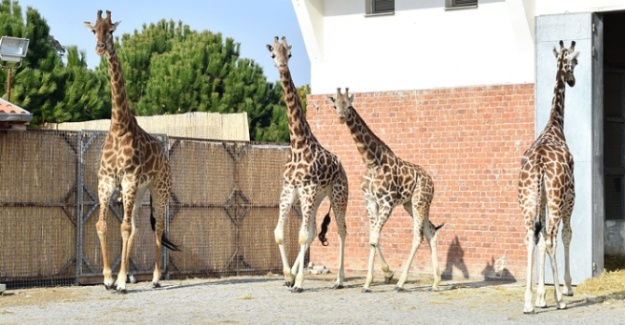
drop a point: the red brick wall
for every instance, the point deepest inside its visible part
(471, 141)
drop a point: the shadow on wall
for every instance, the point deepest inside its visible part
(455, 258)
(495, 270)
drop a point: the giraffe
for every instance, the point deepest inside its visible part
(311, 174)
(546, 184)
(131, 160)
(389, 182)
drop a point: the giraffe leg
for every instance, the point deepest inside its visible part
(416, 242)
(529, 278)
(127, 232)
(372, 211)
(312, 227)
(551, 243)
(160, 203)
(133, 233)
(374, 241)
(557, 291)
(306, 233)
(342, 230)
(105, 189)
(566, 239)
(432, 237)
(286, 200)
(540, 288)
(386, 270)
(567, 234)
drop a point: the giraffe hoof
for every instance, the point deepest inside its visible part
(400, 289)
(366, 290)
(338, 286)
(108, 287)
(296, 290)
(122, 291)
(156, 285)
(387, 279)
(288, 284)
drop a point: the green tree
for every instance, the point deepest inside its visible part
(168, 68)
(44, 85)
(204, 72)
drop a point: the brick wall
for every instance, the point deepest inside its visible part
(471, 141)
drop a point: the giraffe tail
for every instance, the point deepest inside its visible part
(164, 240)
(324, 229)
(436, 228)
(538, 226)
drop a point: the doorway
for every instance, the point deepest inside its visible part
(614, 138)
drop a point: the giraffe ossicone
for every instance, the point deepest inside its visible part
(311, 174)
(132, 160)
(546, 184)
(390, 182)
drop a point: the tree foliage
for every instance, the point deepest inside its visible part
(44, 85)
(168, 69)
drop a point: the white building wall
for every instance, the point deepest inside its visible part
(424, 46)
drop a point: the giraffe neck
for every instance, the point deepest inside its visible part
(371, 148)
(556, 117)
(122, 118)
(299, 131)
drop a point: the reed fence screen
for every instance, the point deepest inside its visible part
(222, 212)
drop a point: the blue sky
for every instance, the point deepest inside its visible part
(252, 23)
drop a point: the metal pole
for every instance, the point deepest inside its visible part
(9, 85)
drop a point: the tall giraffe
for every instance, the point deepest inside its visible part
(389, 182)
(132, 159)
(311, 174)
(546, 183)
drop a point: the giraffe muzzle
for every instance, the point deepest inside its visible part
(571, 81)
(100, 48)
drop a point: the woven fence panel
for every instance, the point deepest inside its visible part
(37, 207)
(222, 212)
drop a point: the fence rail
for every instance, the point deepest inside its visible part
(222, 211)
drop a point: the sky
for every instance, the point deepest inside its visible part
(252, 23)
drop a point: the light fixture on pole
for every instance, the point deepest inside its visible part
(12, 49)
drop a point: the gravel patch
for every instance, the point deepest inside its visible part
(264, 300)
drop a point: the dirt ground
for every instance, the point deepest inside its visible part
(264, 300)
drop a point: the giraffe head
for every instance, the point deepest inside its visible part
(569, 61)
(103, 31)
(280, 53)
(342, 104)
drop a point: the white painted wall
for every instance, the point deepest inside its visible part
(423, 46)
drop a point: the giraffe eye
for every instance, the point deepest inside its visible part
(289, 55)
(273, 56)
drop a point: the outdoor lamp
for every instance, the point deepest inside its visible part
(13, 49)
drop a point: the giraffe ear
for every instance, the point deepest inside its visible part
(87, 25)
(574, 55)
(332, 99)
(270, 48)
(114, 26)
(555, 52)
(351, 98)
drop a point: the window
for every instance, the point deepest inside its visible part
(376, 7)
(460, 4)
